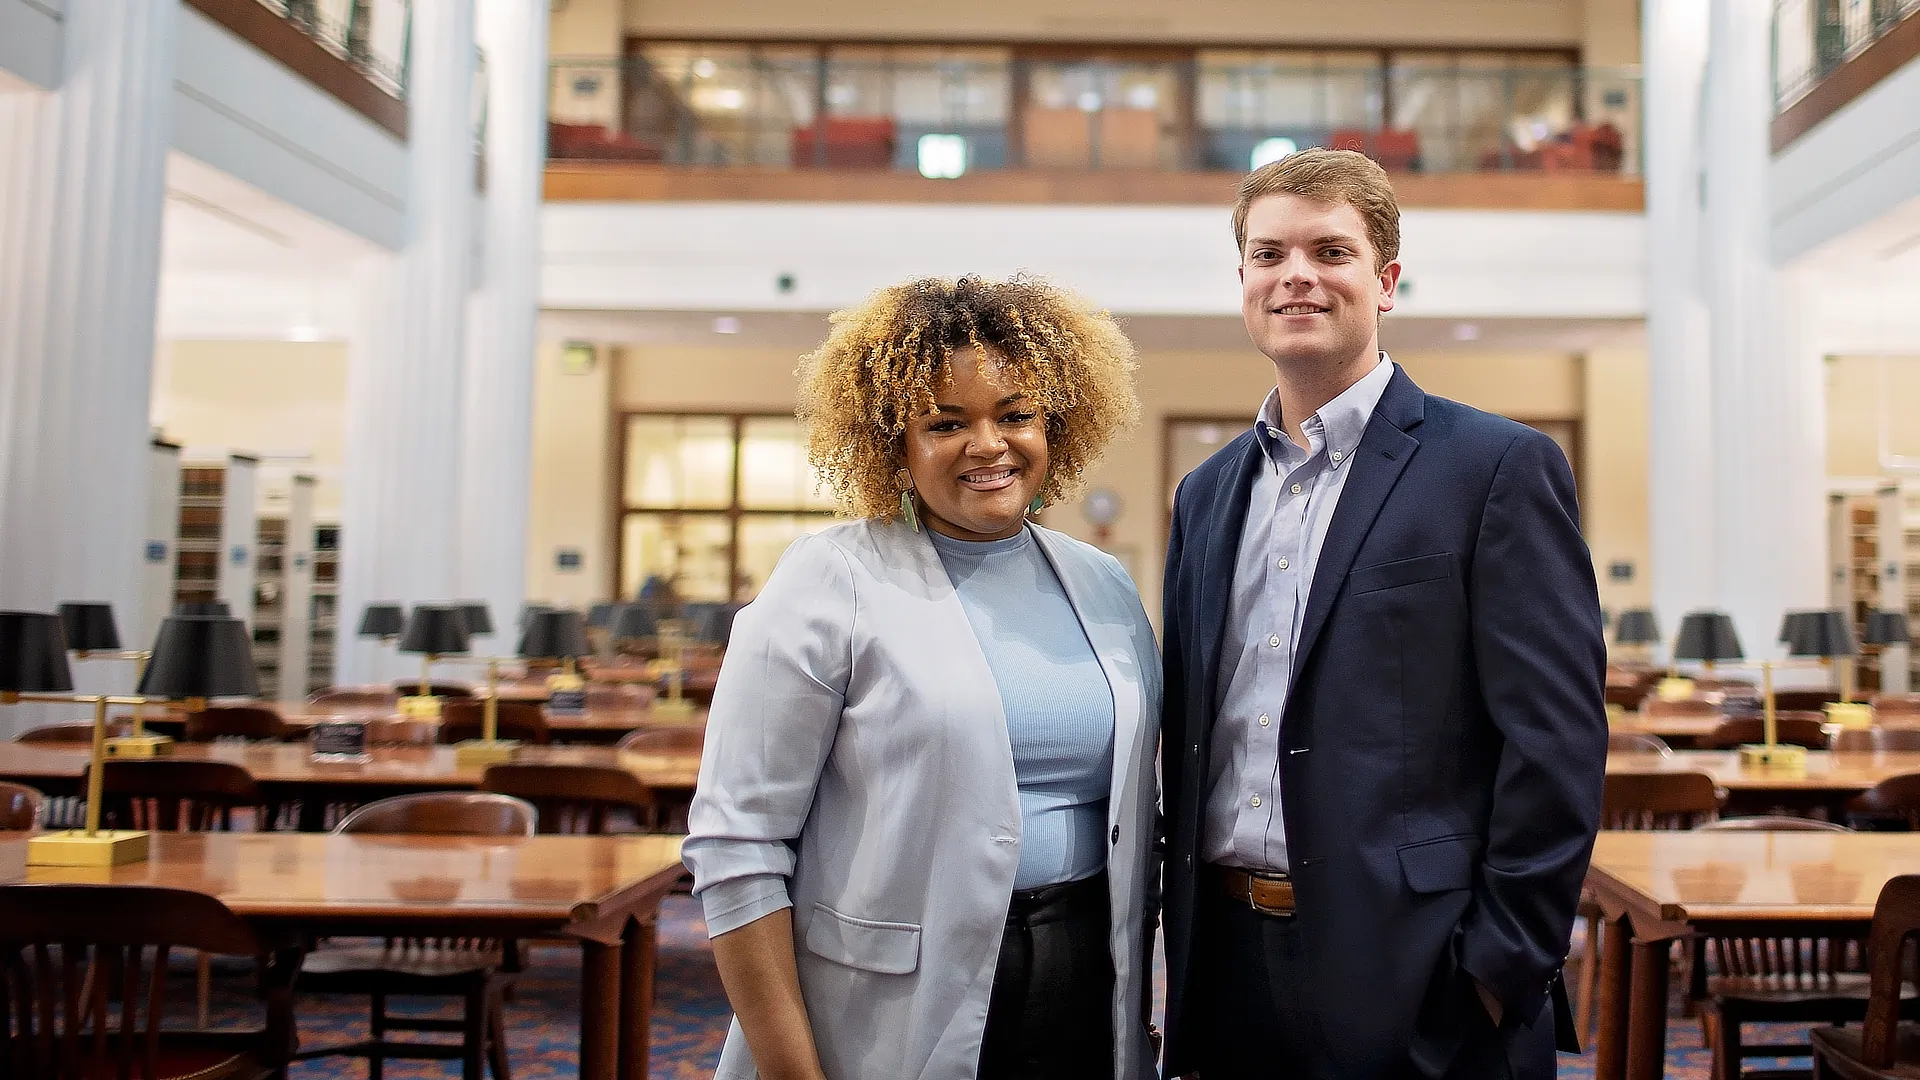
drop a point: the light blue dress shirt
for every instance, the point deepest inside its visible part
(1293, 501)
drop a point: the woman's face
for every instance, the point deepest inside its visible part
(978, 459)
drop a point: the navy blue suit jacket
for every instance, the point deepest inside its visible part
(1445, 732)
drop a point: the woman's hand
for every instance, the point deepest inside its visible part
(763, 984)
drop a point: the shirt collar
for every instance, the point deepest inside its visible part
(1342, 421)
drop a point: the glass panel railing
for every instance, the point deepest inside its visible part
(1811, 38)
(712, 106)
(369, 34)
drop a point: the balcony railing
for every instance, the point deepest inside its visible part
(369, 34)
(1811, 38)
(943, 119)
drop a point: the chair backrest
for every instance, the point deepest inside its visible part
(1654, 705)
(1804, 700)
(1896, 918)
(1896, 796)
(353, 701)
(1770, 823)
(69, 733)
(1635, 742)
(619, 695)
(176, 796)
(410, 687)
(250, 722)
(1890, 737)
(1896, 703)
(19, 807)
(444, 813)
(65, 1005)
(1852, 741)
(1791, 729)
(522, 720)
(690, 739)
(1675, 800)
(401, 731)
(572, 798)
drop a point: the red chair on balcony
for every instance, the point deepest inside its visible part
(594, 142)
(845, 142)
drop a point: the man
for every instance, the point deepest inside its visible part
(1385, 726)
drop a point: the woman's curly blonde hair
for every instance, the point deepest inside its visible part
(883, 361)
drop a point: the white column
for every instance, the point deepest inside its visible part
(1681, 472)
(400, 521)
(1768, 392)
(498, 413)
(82, 183)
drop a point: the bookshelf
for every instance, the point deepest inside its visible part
(216, 535)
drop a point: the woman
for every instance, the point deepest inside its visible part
(925, 810)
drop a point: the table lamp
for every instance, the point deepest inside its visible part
(433, 631)
(633, 623)
(1886, 628)
(383, 621)
(1829, 636)
(673, 668)
(479, 617)
(92, 634)
(555, 634)
(33, 667)
(602, 616)
(1636, 629)
(196, 657)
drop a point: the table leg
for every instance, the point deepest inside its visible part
(1647, 1021)
(1615, 957)
(638, 950)
(599, 1011)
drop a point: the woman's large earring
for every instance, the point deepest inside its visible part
(907, 512)
(1038, 504)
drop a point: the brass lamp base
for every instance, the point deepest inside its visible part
(1850, 714)
(420, 707)
(139, 746)
(108, 847)
(1674, 688)
(1774, 757)
(677, 707)
(484, 751)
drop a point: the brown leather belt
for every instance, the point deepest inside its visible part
(1266, 893)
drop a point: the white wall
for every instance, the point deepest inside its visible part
(1138, 260)
(30, 46)
(241, 112)
(1858, 164)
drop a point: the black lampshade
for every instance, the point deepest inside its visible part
(214, 608)
(554, 635)
(435, 629)
(382, 620)
(1708, 636)
(33, 654)
(479, 617)
(1886, 628)
(635, 621)
(1819, 633)
(201, 656)
(601, 616)
(89, 626)
(527, 613)
(1635, 626)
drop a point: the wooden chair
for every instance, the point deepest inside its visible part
(250, 722)
(574, 798)
(176, 796)
(1895, 799)
(354, 701)
(614, 696)
(1882, 1048)
(522, 720)
(69, 733)
(19, 807)
(391, 731)
(1902, 704)
(113, 941)
(1634, 742)
(1793, 978)
(1792, 729)
(1880, 738)
(466, 969)
(1804, 700)
(1655, 706)
(666, 740)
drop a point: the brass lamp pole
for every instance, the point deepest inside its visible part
(93, 635)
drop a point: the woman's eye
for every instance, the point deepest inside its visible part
(945, 426)
(1018, 418)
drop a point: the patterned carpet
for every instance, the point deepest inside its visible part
(689, 1020)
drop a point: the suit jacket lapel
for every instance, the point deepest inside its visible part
(1385, 449)
(1228, 521)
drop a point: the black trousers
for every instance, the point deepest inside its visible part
(1051, 1015)
(1257, 1019)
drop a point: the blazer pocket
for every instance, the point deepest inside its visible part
(1441, 865)
(888, 948)
(1392, 575)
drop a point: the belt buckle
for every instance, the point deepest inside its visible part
(1253, 879)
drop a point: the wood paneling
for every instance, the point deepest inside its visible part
(1847, 82)
(307, 58)
(624, 182)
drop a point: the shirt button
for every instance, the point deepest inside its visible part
(1296, 489)
(1274, 641)
(1336, 455)
(1283, 563)
(1255, 800)
(1265, 720)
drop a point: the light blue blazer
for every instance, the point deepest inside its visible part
(857, 747)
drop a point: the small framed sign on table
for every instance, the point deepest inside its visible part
(340, 740)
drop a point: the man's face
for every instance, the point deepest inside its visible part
(1309, 287)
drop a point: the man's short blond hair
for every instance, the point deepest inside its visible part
(1340, 176)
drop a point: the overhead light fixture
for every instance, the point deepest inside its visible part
(1268, 151)
(704, 68)
(726, 324)
(304, 332)
(1466, 331)
(942, 157)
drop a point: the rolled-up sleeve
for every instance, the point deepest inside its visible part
(776, 711)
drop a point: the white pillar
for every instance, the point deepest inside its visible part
(498, 413)
(1768, 391)
(1681, 473)
(82, 184)
(400, 521)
